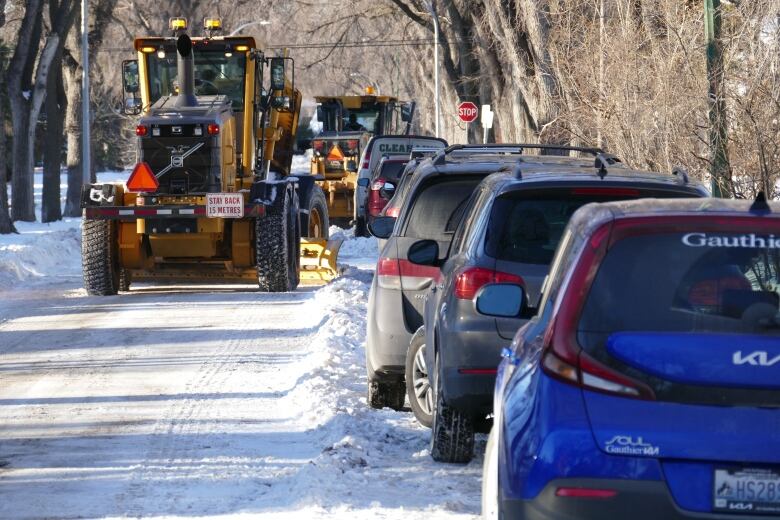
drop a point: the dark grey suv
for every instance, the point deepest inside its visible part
(510, 230)
(431, 209)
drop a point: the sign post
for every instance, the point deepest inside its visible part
(486, 118)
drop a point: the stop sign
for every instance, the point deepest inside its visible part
(468, 112)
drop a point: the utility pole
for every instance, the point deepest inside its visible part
(85, 116)
(718, 132)
(435, 17)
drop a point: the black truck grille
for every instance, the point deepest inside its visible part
(183, 164)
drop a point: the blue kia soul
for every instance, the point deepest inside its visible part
(648, 386)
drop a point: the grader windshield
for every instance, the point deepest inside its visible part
(217, 71)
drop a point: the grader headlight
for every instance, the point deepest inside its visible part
(212, 24)
(177, 24)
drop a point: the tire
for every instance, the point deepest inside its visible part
(490, 506)
(361, 228)
(418, 387)
(99, 257)
(386, 394)
(277, 246)
(317, 223)
(452, 433)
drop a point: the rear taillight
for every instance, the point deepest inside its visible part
(473, 279)
(388, 272)
(318, 145)
(366, 159)
(213, 129)
(563, 358)
(141, 130)
(376, 203)
(352, 145)
(578, 492)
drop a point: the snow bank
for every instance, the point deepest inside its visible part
(377, 461)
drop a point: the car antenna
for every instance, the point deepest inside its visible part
(760, 205)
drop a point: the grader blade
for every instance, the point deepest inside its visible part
(319, 260)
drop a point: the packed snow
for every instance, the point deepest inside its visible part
(209, 401)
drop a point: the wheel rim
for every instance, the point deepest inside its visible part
(315, 223)
(422, 384)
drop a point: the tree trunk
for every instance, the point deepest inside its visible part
(19, 95)
(51, 207)
(6, 224)
(72, 73)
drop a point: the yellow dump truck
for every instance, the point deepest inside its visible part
(348, 123)
(212, 195)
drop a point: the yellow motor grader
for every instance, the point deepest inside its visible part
(212, 195)
(348, 123)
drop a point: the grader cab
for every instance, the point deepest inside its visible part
(348, 123)
(212, 195)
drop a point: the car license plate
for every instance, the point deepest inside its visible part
(224, 205)
(747, 490)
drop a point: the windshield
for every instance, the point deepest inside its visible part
(215, 73)
(687, 282)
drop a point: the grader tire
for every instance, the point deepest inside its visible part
(317, 223)
(277, 246)
(99, 253)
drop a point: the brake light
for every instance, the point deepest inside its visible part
(213, 129)
(352, 144)
(141, 130)
(376, 203)
(473, 279)
(366, 159)
(572, 492)
(318, 145)
(388, 272)
(142, 179)
(609, 192)
(562, 357)
(393, 211)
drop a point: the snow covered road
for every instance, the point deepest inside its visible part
(207, 401)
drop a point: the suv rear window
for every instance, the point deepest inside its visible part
(438, 207)
(526, 225)
(391, 171)
(678, 282)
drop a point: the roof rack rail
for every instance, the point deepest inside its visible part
(512, 148)
(603, 160)
(681, 173)
(423, 151)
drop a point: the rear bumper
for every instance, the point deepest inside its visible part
(637, 500)
(387, 338)
(160, 212)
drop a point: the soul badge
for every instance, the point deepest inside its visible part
(626, 445)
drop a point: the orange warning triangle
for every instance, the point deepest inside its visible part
(335, 154)
(142, 179)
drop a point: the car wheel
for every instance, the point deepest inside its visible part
(490, 509)
(452, 435)
(390, 394)
(418, 385)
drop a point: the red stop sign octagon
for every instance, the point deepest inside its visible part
(468, 112)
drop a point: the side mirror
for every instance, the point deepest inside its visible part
(130, 76)
(363, 182)
(277, 74)
(381, 227)
(424, 252)
(502, 300)
(132, 106)
(387, 190)
(407, 111)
